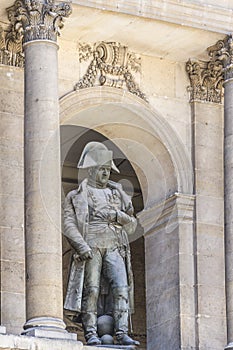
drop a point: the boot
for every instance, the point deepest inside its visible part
(93, 340)
(89, 321)
(124, 339)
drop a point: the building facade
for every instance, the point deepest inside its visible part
(153, 80)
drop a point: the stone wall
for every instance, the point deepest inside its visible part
(12, 199)
(184, 267)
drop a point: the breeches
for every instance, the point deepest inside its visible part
(111, 264)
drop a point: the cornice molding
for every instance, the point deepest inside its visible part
(204, 16)
(176, 209)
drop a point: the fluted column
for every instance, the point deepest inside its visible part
(40, 22)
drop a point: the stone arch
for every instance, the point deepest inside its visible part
(163, 168)
(120, 115)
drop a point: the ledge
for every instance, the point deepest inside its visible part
(189, 13)
(23, 342)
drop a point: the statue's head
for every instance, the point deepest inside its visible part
(96, 154)
(98, 160)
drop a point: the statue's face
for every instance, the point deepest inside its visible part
(100, 175)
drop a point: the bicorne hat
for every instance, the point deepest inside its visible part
(96, 154)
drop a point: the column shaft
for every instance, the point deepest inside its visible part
(42, 186)
(38, 22)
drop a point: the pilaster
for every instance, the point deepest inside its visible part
(206, 97)
(12, 242)
(168, 228)
(223, 52)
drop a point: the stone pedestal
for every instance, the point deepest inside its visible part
(15, 342)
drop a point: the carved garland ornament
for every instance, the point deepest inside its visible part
(207, 77)
(111, 65)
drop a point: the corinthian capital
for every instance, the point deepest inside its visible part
(38, 19)
(206, 80)
(223, 51)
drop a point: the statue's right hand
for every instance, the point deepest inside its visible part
(85, 256)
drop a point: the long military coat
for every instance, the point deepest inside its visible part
(76, 218)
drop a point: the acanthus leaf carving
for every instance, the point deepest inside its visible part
(85, 52)
(222, 52)
(38, 20)
(134, 62)
(206, 80)
(111, 65)
(11, 52)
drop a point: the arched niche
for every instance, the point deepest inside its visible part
(152, 153)
(73, 140)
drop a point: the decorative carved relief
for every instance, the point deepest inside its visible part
(222, 52)
(38, 20)
(85, 52)
(111, 65)
(207, 77)
(11, 52)
(30, 20)
(206, 80)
